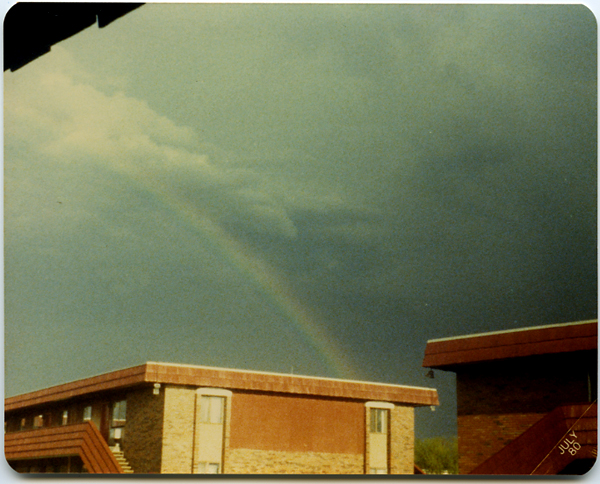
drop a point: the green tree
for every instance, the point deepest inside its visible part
(437, 455)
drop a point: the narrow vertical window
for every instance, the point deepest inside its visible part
(117, 424)
(87, 413)
(378, 436)
(211, 430)
(379, 420)
(211, 409)
(64, 417)
(119, 413)
(38, 421)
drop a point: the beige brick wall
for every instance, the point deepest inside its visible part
(169, 418)
(178, 429)
(143, 430)
(402, 440)
(250, 461)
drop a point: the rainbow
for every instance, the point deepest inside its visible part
(272, 285)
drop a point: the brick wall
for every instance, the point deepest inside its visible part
(143, 430)
(292, 423)
(254, 461)
(522, 385)
(497, 402)
(481, 436)
(402, 440)
(178, 432)
(331, 439)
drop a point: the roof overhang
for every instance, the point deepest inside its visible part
(447, 353)
(203, 376)
(32, 28)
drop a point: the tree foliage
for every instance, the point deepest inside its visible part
(437, 455)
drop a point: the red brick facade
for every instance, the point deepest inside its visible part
(292, 424)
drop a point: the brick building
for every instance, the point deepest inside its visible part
(180, 419)
(526, 399)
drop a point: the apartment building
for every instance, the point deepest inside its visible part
(184, 419)
(526, 398)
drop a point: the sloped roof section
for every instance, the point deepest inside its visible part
(445, 353)
(108, 381)
(32, 28)
(203, 376)
(83, 440)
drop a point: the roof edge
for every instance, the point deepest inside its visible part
(291, 375)
(181, 374)
(516, 330)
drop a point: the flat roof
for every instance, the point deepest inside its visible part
(204, 376)
(515, 343)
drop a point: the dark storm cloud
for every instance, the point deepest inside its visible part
(501, 168)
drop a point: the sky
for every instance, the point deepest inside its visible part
(312, 189)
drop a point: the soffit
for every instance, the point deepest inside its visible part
(32, 28)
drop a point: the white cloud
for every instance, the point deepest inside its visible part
(71, 122)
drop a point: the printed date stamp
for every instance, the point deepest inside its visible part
(570, 446)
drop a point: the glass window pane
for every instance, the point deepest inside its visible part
(204, 409)
(216, 410)
(379, 419)
(211, 409)
(119, 413)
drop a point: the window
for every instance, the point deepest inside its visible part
(211, 409)
(87, 413)
(379, 420)
(208, 468)
(38, 421)
(64, 417)
(119, 412)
